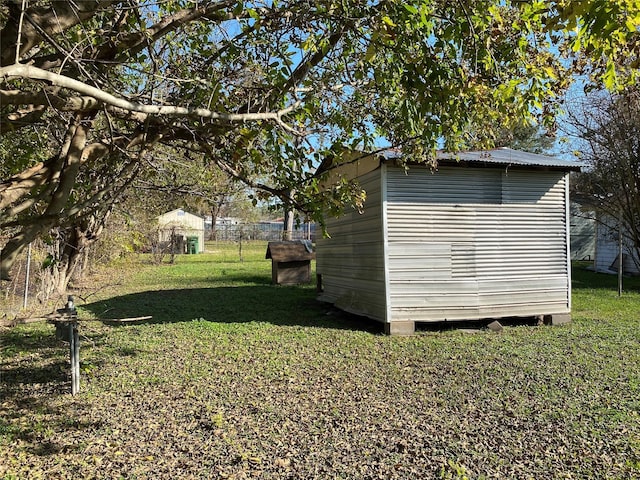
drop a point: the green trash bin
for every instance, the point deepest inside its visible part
(192, 245)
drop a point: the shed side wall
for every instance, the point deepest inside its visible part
(476, 243)
(351, 262)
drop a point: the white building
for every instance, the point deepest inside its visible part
(184, 225)
(484, 236)
(607, 251)
(583, 232)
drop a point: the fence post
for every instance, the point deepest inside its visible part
(26, 280)
(620, 259)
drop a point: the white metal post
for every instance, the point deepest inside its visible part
(74, 353)
(26, 280)
(620, 259)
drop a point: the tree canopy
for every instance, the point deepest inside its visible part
(268, 90)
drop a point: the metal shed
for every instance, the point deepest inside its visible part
(486, 235)
(185, 225)
(290, 262)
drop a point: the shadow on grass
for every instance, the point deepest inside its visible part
(43, 341)
(34, 378)
(582, 278)
(36, 363)
(279, 305)
(52, 373)
(49, 368)
(44, 418)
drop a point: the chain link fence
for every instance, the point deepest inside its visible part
(24, 287)
(271, 232)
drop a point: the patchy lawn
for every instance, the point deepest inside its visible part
(236, 378)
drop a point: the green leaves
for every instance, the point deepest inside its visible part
(610, 77)
(599, 37)
(410, 8)
(416, 74)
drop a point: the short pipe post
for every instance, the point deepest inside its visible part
(74, 351)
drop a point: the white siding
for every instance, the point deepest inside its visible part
(485, 243)
(351, 262)
(184, 223)
(607, 248)
(583, 233)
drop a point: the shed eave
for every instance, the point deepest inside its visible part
(494, 158)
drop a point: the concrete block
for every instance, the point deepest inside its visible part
(560, 318)
(495, 326)
(403, 328)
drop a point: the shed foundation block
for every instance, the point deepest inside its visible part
(403, 328)
(560, 318)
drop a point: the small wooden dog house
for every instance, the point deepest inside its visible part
(290, 262)
(486, 235)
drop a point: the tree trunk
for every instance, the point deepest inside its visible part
(67, 253)
(215, 210)
(72, 154)
(287, 234)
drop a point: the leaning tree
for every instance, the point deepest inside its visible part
(270, 90)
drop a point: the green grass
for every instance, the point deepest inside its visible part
(214, 286)
(236, 378)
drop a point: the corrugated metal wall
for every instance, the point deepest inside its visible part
(351, 262)
(469, 243)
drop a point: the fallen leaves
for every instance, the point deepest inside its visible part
(261, 400)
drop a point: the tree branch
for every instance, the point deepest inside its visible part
(44, 98)
(34, 73)
(19, 185)
(234, 173)
(135, 42)
(64, 16)
(303, 69)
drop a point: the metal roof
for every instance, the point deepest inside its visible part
(289, 251)
(508, 156)
(500, 156)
